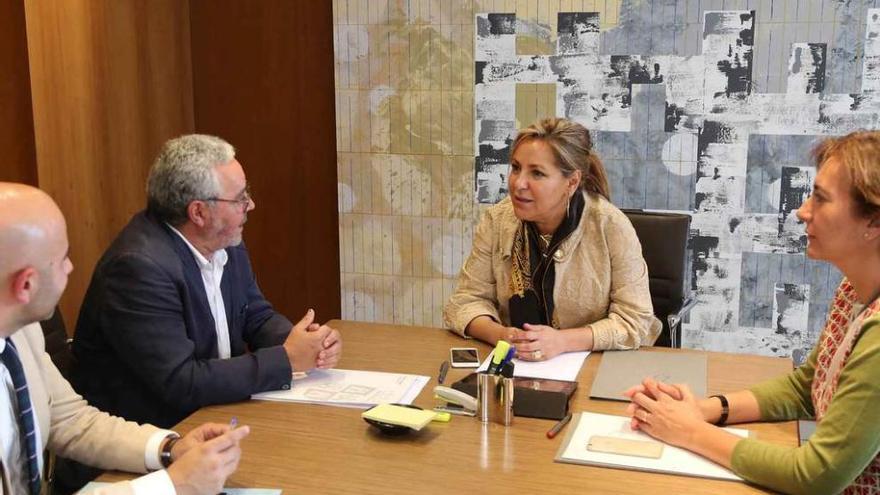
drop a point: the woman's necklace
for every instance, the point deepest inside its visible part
(545, 241)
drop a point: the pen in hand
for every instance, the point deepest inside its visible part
(559, 426)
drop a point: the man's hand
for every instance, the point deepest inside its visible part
(306, 342)
(199, 435)
(203, 469)
(329, 357)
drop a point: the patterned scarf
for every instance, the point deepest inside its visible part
(534, 271)
(835, 345)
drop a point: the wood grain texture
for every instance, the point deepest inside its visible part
(263, 80)
(16, 118)
(111, 81)
(319, 449)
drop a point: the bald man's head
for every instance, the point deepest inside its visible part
(33, 256)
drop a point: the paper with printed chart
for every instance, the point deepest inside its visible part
(350, 388)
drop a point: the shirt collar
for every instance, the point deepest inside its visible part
(218, 256)
(2, 345)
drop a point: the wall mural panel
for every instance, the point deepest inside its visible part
(709, 107)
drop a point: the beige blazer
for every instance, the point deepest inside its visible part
(601, 277)
(70, 427)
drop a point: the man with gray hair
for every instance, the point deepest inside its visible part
(173, 319)
(38, 408)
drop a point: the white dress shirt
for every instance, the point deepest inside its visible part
(12, 449)
(212, 274)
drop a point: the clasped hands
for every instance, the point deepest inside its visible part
(667, 412)
(310, 345)
(535, 342)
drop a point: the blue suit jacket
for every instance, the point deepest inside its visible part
(145, 343)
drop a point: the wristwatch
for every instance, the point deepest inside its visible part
(725, 409)
(165, 455)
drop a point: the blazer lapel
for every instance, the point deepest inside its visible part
(192, 276)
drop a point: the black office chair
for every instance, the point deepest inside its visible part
(58, 343)
(664, 238)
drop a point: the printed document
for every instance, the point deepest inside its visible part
(673, 460)
(350, 388)
(564, 367)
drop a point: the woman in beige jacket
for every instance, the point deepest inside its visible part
(555, 267)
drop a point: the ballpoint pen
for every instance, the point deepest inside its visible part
(444, 367)
(559, 426)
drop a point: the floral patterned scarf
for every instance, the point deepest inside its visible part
(841, 332)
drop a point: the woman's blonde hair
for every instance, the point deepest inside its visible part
(859, 154)
(573, 149)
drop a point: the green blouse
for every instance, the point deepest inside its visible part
(845, 442)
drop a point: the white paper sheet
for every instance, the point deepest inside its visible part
(226, 491)
(350, 388)
(563, 367)
(674, 460)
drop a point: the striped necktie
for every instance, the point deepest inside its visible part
(26, 425)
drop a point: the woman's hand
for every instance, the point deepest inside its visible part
(538, 342)
(667, 412)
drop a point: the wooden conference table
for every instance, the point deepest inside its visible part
(305, 448)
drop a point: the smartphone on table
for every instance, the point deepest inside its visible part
(464, 357)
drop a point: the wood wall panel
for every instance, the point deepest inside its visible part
(19, 163)
(111, 81)
(263, 80)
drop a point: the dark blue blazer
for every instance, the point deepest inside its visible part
(145, 344)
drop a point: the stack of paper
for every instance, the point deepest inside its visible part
(350, 388)
(399, 415)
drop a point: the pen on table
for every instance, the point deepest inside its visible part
(233, 423)
(444, 367)
(559, 426)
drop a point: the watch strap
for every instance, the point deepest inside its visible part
(165, 455)
(725, 410)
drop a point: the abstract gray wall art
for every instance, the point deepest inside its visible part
(707, 107)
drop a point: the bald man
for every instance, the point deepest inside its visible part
(39, 409)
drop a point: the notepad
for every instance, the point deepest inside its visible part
(399, 415)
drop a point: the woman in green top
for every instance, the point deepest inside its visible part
(838, 385)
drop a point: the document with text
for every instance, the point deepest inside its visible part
(350, 388)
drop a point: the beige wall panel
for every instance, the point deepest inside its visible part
(111, 80)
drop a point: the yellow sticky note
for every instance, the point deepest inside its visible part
(442, 417)
(399, 415)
